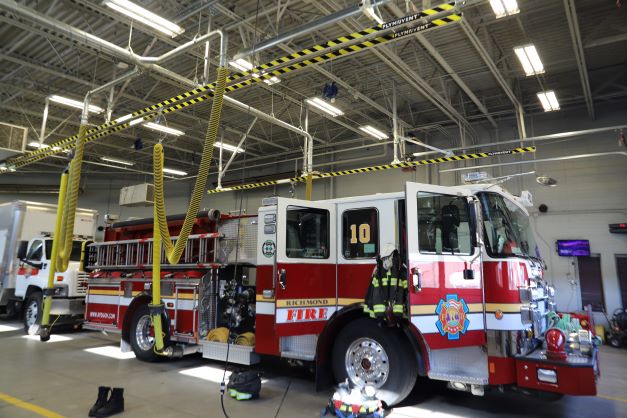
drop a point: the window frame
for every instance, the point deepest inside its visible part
(377, 244)
(41, 248)
(327, 212)
(472, 221)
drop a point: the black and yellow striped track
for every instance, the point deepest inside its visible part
(341, 46)
(409, 164)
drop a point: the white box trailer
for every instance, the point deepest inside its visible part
(25, 247)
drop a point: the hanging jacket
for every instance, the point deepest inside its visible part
(388, 288)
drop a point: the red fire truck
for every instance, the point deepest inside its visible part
(297, 272)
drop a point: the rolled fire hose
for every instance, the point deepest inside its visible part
(247, 338)
(45, 319)
(220, 335)
(161, 233)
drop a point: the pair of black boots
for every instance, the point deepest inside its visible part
(106, 405)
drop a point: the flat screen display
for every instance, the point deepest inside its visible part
(573, 248)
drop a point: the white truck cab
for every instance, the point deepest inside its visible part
(25, 251)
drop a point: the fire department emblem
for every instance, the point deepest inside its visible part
(268, 248)
(452, 318)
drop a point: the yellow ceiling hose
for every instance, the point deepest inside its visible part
(161, 233)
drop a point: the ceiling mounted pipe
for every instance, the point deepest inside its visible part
(305, 29)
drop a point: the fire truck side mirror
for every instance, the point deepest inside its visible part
(22, 247)
(416, 279)
(469, 274)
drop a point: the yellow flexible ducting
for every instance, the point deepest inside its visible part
(161, 232)
(247, 338)
(220, 335)
(45, 318)
(71, 199)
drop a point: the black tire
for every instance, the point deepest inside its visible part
(140, 341)
(33, 311)
(384, 343)
(615, 342)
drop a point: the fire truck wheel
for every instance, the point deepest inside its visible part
(370, 355)
(141, 336)
(32, 313)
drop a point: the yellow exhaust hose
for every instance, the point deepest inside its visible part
(161, 232)
(69, 214)
(45, 318)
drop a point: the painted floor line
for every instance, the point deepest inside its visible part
(29, 406)
(612, 398)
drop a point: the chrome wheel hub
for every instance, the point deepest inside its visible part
(31, 313)
(367, 363)
(142, 334)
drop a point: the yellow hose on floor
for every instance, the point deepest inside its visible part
(161, 232)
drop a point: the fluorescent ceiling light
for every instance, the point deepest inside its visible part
(374, 132)
(272, 80)
(74, 103)
(530, 60)
(145, 16)
(35, 144)
(175, 172)
(324, 106)
(549, 100)
(117, 161)
(165, 129)
(241, 64)
(135, 121)
(503, 8)
(229, 147)
(124, 118)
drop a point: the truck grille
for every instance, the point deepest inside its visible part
(81, 283)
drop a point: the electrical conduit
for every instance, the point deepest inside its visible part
(161, 233)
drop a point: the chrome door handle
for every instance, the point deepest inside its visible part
(282, 279)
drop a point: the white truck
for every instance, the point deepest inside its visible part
(25, 248)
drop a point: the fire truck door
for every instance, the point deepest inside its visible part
(305, 279)
(444, 266)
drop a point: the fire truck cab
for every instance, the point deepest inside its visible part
(477, 311)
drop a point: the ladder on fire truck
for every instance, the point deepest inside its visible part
(201, 251)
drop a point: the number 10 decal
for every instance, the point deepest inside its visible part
(364, 234)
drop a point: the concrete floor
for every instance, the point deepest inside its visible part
(62, 377)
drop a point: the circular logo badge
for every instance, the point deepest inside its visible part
(268, 248)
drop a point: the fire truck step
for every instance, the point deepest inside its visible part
(239, 354)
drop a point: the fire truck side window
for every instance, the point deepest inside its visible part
(360, 233)
(307, 233)
(443, 224)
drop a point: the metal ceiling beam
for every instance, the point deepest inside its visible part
(520, 112)
(580, 56)
(447, 68)
(606, 40)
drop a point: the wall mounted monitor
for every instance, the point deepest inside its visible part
(573, 247)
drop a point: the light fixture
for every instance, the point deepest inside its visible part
(36, 144)
(165, 129)
(229, 147)
(324, 106)
(74, 103)
(117, 161)
(530, 60)
(504, 8)
(272, 80)
(145, 16)
(241, 64)
(175, 172)
(549, 100)
(135, 121)
(374, 132)
(124, 118)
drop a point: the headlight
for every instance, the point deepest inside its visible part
(547, 376)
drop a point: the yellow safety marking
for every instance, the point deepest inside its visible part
(520, 150)
(29, 406)
(113, 126)
(423, 309)
(613, 398)
(503, 307)
(106, 292)
(308, 303)
(260, 298)
(348, 301)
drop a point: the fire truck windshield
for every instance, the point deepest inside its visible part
(76, 250)
(507, 229)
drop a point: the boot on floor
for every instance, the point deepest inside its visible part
(114, 405)
(103, 394)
